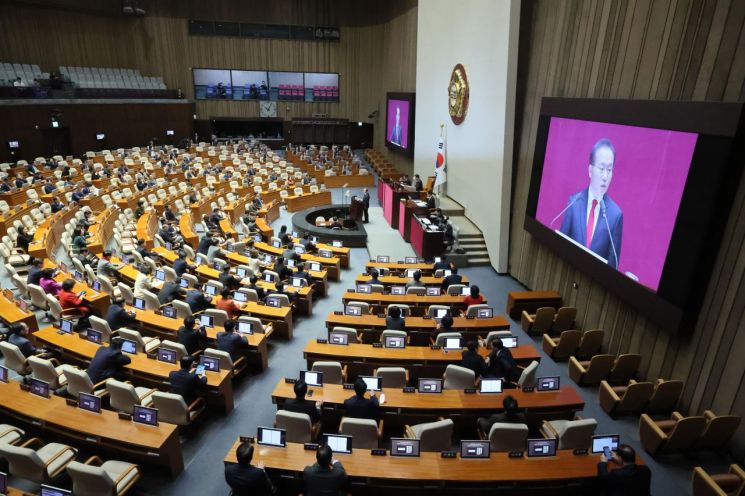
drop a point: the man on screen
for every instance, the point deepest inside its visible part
(396, 131)
(592, 218)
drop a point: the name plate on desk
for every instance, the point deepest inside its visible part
(470, 317)
(246, 439)
(528, 389)
(435, 347)
(409, 389)
(338, 312)
(290, 380)
(71, 402)
(580, 451)
(449, 454)
(427, 317)
(25, 387)
(322, 341)
(381, 315)
(352, 290)
(469, 391)
(348, 386)
(151, 356)
(377, 345)
(378, 452)
(515, 454)
(310, 447)
(125, 416)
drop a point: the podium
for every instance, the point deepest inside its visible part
(407, 210)
(355, 209)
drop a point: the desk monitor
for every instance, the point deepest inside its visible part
(54, 491)
(295, 234)
(276, 243)
(411, 272)
(257, 238)
(169, 246)
(373, 383)
(160, 274)
(268, 277)
(62, 266)
(3, 374)
(89, 402)
(465, 291)
(437, 259)
(383, 259)
(166, 355)
(40, 388)
(77, 275)
(404, 447)
(268, 259)
(398, 290)
(352, 310)
(100, 136)
(485, 313)
(240, 296)
(271, 437)
(129, 346)
(299, 249)
(490, 386)
(96, 286)
(144, 415)
(94, 336)
(509, 341)
(291, 263)
(170, 312)
(446, 272)
(184, 283)
(430, 385)
(315, 266)
(210, 290)
(206, 320)
(296, 282)
(139, 304)
(433, 291)
(200, 260)
(66, 326)
(610, 441)
(340, 338)
(311, 378)
(394, 342)
(325, 253)
(474, 449)
(245, 327)
(441, 312)
(410, 260)
(364, 288)
(453, 344)
(548, 383)
(337, 244)
(273, 301)
(338, 443)
(241, 272)
(541, 447)
(209, 363)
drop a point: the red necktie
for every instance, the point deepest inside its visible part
(591, 222)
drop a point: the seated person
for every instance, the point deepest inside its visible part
(68, 299)
(144, 281)
(416, 281)
(374, 277)
(108, 362)
(226, 303)
(301, 405)
(106, 267)
(47, 282)
(472, 359)
(301, 272)
(193, 338)
(170, 291)
(227, 280)
(325, 477)
(629, 478)
(78, 239)
(259, 290)
(34, 271)
(453, 278)
(197, 300)
(18, 335)
(474, 298)
(245, 479)
(280, 289)
(234, 344)
(360, 407)
(85, 257)
(281, 269)
(180, 266)
(511, 414)
(56, 205)
(206, 242)
(24, 239)
(117, 317)
(430, 200)
(144, 252)
(335, 223)
(186, 383)
(394, 320)
(446, 325)
(500, 363)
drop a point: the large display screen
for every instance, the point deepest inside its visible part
(265, 85)
(614, 191)
(399, 129)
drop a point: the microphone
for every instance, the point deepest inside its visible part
(607, 226)
(572, 202)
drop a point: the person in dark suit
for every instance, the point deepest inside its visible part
(327, 476)
(301, 272)
(197, 301)
(629, 478)
(500, 363)
(431, 200)
(245, 479)
(471, 359)
(170, 291)
(34, 272)
(360, 407)
(453, 278)
(511, 414)
(397, 131)
(191, 337)
(591, 218)
(117, 317)
(394, 320)
(19, 337)
(205, 243)
(108, 362)
(281, 269)
(259, 290)
(234, 344)
(227, 279)
(365, 206)
(181, 265)
(301, 405)
(418, 185)
(442, 264)
(186, 383)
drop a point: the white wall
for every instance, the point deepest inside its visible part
(482, 35)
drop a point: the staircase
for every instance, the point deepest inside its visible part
(469, 238)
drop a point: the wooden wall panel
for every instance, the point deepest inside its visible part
(661, 49)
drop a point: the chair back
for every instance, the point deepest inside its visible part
(568, 344)
(494, 335)
(178, 348)
(686, 432)
(435, 436)
(284, 300)
(665, 396)
(171, 408)
(591, 343)
(577, 434)
(151, 300)
(351, 333)
(455, 289)
(364, 432)
(258, 326)
(332, 372)
(432, 310)
(183, 309)
(122, 396)
(505, 437)
(564, 319)
(90, 480)
(392, 333)
(624, 369)
(133, 336)
(392, 377)
(415, 290)
(635, 397)
(297, 426)
(24, 463)
(38, 296)
(219, 316)
(527, 378)
(718, 431)
(544, 319)
(362, 304)
(440, 340)
(100, 325)
(599, 368)
(126, 292)
(14, 359)
(42, 369)
(78, 382)
(473, 310)
(457, 377)
(405, 309)
(226, 362)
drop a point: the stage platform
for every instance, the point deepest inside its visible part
(305, 221)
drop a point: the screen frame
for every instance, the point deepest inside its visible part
(411, 98)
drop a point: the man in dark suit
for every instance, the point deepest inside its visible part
(471, 359)
(327, 476)
(109, 361)
(205, 243)
(431, 201)
(418, 185)
(365, 206)
(34, 272)
(117, 317)
(360, 407)
(394, 320)
(301, 272)
(301, 405)
(191, 337)
(186, 383)
(245, 479)
(259, 290)
(629, 478)
(442, 264)
(511, 414)
(227, 279)
(181, 265)
(18, 336)
(170, 291)
(197, 301)
(230, 342)
(397, 131)
(453, 278)
(592, 219)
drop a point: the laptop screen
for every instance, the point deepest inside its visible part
(490, 386)
(96, 286)
(139, 304)
(210, 363)
(338, 443)
(200, 260)
(411, 272)
(257, 238)
(337, 244)
(268, 259)
(3, 483)
(169, 312)
(484, 313)
(383, 259)
(364, 288)
(433, 291)
(210, 290)
(62, 266)
(240, 272)
(441, 312)
(410, 260)
(40, 388)
(548, 383)
(160, 275)
(465, 291)
(240, 296)
(129, 346)
(54, 491)
(373, 383)
(311, 378)
(66, 326)
(144, 415)
(273, 302)
(77, 275)
(166, 355)
(184, 283)
(398, 290)
(268, 277)
(509, 341)
(315, 266)
(89, 402)
(291, 263)
(394, 342)
(338, 338)
(446, 272)
(474, 449)
(430, 385)
(271, 437)
(93, 336)
(599, 443)
(245, 327)
(206, 320)
(404, 447)
(353, 310)
(299, 249)
(453, 344)
(276, 243)
(325, 253)
(541, 447)
(3, 374)
(296, 282)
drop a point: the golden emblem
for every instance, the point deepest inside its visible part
(458, 94)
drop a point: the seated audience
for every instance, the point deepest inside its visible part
(47, 282)
(511, 414)
(186, 383)
(68, 299)
(301, 405)
(394, 320)
(231, 342)
(629, 478)
(472, 359)
(474, 298)
(18, 335)
(226, 303)
(360, 407)
(500, 363)
(245, 479)
(109, 362)
(193, 338)
(117, 317)
(326, 476)
(416, 281)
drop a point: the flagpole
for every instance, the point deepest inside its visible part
(443, 131)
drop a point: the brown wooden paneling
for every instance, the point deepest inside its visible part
(663, 49)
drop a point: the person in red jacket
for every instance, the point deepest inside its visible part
(68, 299)
(474, 298)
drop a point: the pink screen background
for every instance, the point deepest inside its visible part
(649, 175)
(404, 121)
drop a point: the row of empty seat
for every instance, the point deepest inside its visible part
(104, 77)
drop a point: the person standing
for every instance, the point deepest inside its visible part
(365, 206)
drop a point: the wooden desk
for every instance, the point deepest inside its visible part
(145, 371)
(427, 244)
(354, 181)
(17, 213)
(564, 473)
(11, 314)
(530, 301)
(406, 212)
(186, 227)
(417, 304)
(147, 226)
(270, 211)
(318, 277)
(264, 228)
(48, 234)
(401, 281)
(297, 203)
(100, 432)
(341, 252)
(424, 268)
(332, 264)
(101, 229)
(97, 300)
(420, 361)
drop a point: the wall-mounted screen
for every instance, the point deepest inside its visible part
(212, 83)
(399, 129)
(636, 194)
(250, 85)
(321, 87)
(286, 85)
